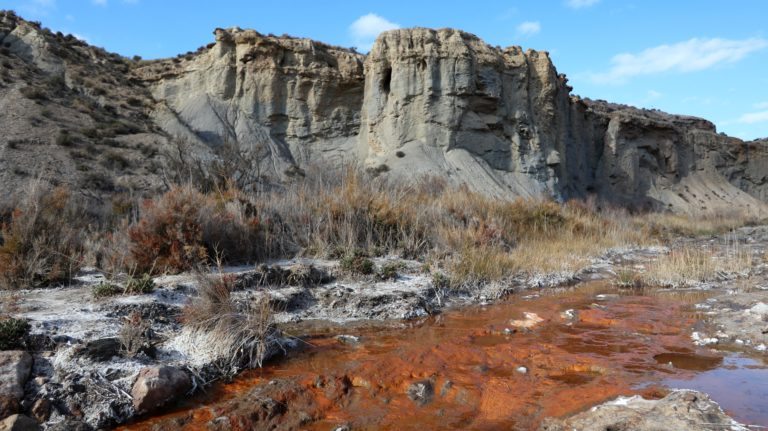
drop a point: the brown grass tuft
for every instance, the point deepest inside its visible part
(238, 334)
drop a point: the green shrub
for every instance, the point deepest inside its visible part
(13, 334)
(115, 161)
(389, 271)
(140, 286)
(105, 289)
(357, 263)
(440, 281)
(64, 139)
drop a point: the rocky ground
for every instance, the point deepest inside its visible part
(79, 376)
(680, 410)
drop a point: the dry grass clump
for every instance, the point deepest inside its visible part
(234, 334)
(668, 225)
(329, 215)
(688, 266)
(42, 242)
(535, 236)
(135, 335)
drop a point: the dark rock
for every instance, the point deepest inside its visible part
(102, 350)
(41, 410)
(19, 423)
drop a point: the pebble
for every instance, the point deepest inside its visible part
(521, 370)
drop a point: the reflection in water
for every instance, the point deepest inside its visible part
(480, 371)
(740, 385)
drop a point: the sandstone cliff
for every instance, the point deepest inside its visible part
(422, 102)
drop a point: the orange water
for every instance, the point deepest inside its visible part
(613, 347)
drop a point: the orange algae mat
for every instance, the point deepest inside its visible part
(477, 370)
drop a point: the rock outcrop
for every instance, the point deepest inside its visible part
(289, 101)
(444, 103)
(157, 386)
(423, 102)
(15, 367)
(681, 410)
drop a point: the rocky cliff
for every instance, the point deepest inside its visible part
(422, 102)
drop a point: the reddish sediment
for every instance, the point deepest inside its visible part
(471, 358)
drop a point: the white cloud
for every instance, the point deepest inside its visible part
(689, 56)
(653, 95)
(365, 29)
(38, 7)
(529, 28)
(761, 105)
(754, 117)
(578, 4)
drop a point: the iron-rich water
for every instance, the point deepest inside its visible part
(487, 374)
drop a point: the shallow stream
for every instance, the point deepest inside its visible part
(476, 368)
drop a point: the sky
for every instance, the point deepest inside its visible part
(707, 58)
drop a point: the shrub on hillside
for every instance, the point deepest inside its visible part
(185, 228)
(169, 235)
(42, 243)
(13, 333)
(357, 263)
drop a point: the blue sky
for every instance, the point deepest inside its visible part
(707, 58)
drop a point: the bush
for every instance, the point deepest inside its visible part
(34, 93)
(13, 334)
(97, 181)
(43, 241)
(64, 139)
(389, 270)
(140, 286)
(169, 235)
(184, 228)
(357, 263)
(105, 290)
(136, 336)
(115, 161)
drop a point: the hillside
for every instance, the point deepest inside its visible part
(423, 102)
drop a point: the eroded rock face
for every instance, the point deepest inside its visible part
(445, 103)
(158, 386)
(653, 160)
(444, 100)
(424, 102)
(14, 372)
(681, 410)
(292, 101)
